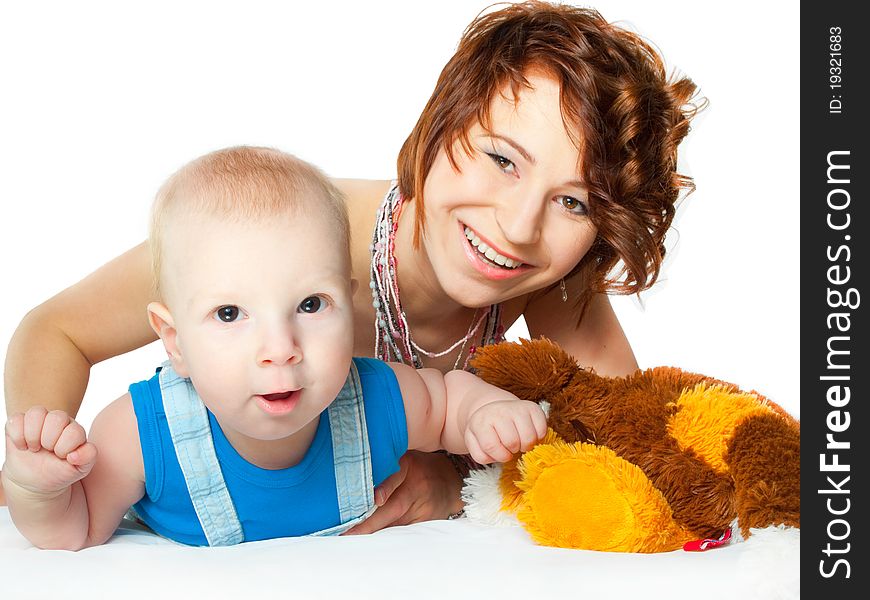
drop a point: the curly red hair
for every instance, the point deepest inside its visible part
(625, 115)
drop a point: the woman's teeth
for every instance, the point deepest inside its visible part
(489, 253)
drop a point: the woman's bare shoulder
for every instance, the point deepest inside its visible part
(362, 193)
(362, 198)
(597, 341)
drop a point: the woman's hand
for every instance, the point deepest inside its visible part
(426, 488)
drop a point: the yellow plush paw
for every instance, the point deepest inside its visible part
(512, 496)
(585, 496)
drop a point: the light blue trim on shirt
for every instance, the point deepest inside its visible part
(189, 428)
(191, 436)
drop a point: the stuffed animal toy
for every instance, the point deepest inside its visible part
(651, 462)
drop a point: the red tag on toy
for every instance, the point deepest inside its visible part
(708, 543)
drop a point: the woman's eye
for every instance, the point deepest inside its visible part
(501, 162)
(573, 205)
(312, 304)
(228, 314)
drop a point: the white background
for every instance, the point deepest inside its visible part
(101, 101)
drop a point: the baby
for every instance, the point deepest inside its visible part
(261, 424)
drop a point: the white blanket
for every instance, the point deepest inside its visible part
(439, 559)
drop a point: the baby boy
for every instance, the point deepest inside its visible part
(261, 424)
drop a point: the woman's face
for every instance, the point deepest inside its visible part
(513, 218)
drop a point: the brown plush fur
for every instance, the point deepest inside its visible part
(630, 415)
(762, 457)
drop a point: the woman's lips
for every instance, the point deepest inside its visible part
(279, 403)
(493, 254)
(483, 265)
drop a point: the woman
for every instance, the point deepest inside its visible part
(541, 174)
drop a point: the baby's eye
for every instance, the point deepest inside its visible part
(501, 162)
(228, 314)
(573, 205)
(312, 304)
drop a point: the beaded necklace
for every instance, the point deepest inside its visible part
(393, 341)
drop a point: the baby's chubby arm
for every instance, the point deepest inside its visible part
(66, 492)
(461, 413)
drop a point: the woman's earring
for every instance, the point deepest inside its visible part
(564, 291)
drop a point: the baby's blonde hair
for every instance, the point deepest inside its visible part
(245, 183)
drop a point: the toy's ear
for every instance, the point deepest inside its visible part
(531, 369)
(164, 326)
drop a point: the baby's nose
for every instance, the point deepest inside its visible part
(279, 349)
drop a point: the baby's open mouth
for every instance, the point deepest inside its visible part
(489, 255)
(278, 396)
(279, 403)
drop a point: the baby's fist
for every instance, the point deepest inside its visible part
(46, 451)
(498, 430)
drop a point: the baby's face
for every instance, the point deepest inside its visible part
(263, 313)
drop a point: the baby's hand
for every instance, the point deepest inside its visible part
(46, 452)
(498, 430)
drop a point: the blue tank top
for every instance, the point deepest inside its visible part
(270, 503)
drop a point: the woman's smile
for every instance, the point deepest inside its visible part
(488, 260)
(488, 250)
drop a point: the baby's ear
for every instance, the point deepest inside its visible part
(164, 326)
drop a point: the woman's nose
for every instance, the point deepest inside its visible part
(520, 218)
(279, 347)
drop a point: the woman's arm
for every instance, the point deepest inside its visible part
(51, 352)
(598, 341)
